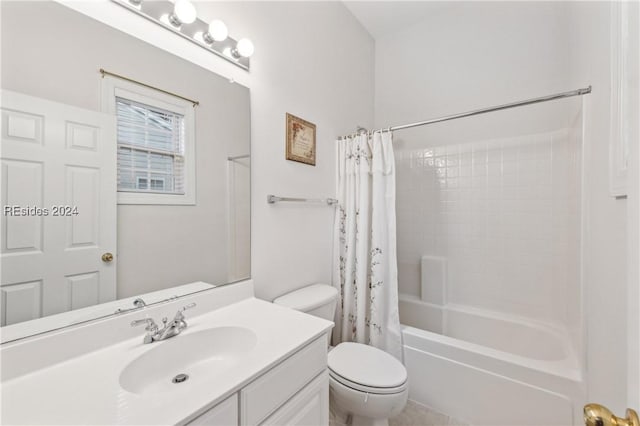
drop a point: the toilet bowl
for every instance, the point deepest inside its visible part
(366, 384)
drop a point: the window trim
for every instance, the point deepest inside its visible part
(112, 88)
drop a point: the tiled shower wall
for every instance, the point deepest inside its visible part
(503, 213)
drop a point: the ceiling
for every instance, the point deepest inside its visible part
(385, 17)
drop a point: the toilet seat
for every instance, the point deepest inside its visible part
(367, 389)
(366, 369)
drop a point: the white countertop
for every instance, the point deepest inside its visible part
(86, 389)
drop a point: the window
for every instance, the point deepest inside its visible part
(155, 141)
(150, 149)
(157, 184)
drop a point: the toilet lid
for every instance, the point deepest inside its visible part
(366, 365)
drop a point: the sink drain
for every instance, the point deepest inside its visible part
(180, 378)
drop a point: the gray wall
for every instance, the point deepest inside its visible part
(52, 52)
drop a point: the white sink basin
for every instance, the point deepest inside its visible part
(201, 356)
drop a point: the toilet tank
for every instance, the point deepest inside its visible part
(316, 299)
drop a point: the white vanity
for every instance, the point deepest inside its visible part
(248, 362)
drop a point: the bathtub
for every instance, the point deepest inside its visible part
(485, 368)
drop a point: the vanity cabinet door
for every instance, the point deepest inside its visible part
(310, 407)
(223, 414)
(263, 396)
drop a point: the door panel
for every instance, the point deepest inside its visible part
(84, 289)
(21, 302)
(83, 192)
(59, 167)
(22, 186)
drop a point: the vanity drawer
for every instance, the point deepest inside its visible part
(267, 393)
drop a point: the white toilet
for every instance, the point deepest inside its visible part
(367, 385)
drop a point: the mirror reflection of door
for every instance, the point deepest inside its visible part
(163, 250)
(59, 201)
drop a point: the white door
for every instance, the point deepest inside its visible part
(59, 208)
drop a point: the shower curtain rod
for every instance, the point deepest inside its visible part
(578, 92)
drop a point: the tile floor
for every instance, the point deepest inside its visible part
(413, 415)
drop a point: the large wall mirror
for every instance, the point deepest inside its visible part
(113, 191)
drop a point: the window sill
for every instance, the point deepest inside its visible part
(133, 198)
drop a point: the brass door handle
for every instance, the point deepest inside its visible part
(107, 257)
(597, 415)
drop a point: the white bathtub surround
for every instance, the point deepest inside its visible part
(530, 341)
(504, 213)
(433, 279)
(364, 256)
(454, 353)
(79, 375)
(495, 387)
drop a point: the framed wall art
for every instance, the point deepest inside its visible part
(301, 140)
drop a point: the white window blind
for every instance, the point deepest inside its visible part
(151, 149)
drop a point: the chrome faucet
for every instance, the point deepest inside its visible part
(169, 328)
(139, 303)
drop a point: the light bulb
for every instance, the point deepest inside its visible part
(218, 30)
(244, 47)
(184, 11)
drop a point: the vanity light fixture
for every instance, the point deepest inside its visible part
(184, 12)
(217, 32)
(180, 17)
(244, 48)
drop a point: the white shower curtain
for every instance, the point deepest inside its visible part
(364, 254)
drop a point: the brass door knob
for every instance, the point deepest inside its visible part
(597, 415)
(107, 257)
